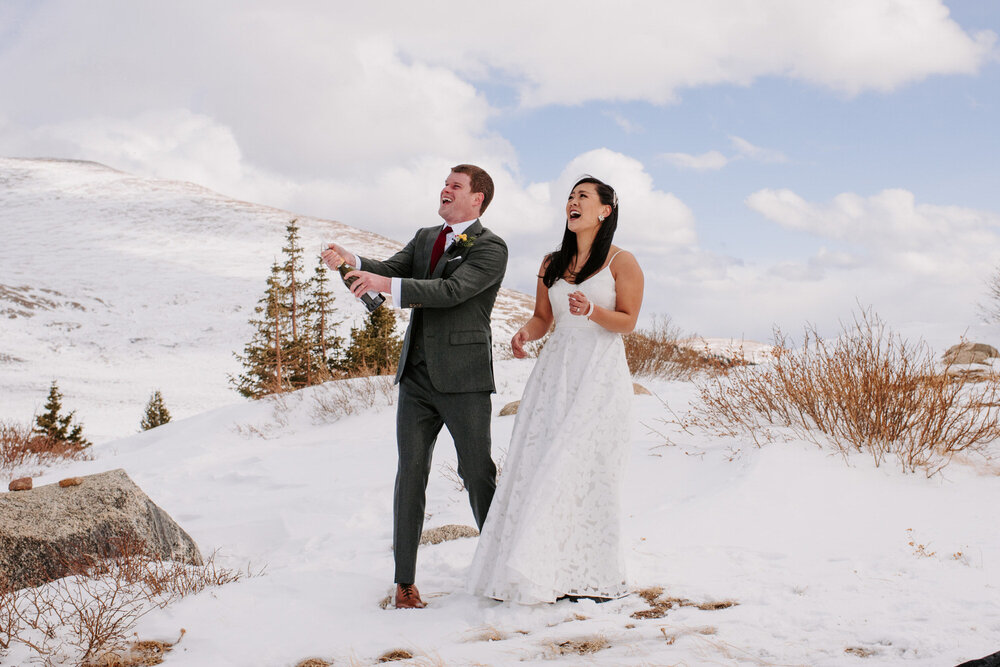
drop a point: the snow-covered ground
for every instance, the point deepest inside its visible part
(140, 284)
(815, 551)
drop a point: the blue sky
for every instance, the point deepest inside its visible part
(778, 162)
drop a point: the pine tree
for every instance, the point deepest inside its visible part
(325, 345)
(374, 349)
(156, 412)
(298, 361)
(262, 358)
(51, 424)
(294, 342)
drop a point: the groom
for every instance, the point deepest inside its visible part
(449, 276)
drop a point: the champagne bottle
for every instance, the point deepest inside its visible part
(372, 300)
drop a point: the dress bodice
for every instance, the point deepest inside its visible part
(599, 288)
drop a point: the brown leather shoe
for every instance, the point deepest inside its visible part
(408, 597)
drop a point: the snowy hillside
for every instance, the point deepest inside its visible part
(827, 563)
(115, 286)
(775, 555)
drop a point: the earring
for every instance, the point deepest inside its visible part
(600, 218)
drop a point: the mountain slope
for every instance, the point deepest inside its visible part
(115, 285)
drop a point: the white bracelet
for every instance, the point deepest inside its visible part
(589, 310)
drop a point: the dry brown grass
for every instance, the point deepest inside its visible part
(20, 447)
(141, 653)
(395, 654)
(657, 352)
(89, 616)
(580, 646)
(867, 391)
(488, 634)
(659, 605)
(314, 662)
(446, 533)
(450, 472)
(677, 633)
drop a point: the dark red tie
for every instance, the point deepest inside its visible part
(438, 248)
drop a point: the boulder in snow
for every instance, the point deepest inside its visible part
(969, 353)
(50, 530)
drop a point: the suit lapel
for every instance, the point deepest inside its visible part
(428, 244)
(473, 230)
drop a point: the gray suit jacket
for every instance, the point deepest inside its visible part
(455, 303)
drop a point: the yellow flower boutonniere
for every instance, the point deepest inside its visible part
(464, 240)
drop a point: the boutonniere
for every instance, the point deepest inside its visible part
(464, 240)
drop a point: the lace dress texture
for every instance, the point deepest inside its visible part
(554, 526)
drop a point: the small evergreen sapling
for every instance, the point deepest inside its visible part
(375, 347)
(156, 412)
(59, 428)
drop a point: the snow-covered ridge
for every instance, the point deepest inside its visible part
(116, 285)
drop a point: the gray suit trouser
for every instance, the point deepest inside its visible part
(421, 413)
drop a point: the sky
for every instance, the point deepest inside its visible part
(778, 162)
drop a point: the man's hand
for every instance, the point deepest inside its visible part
(369, 282)
(335, 255)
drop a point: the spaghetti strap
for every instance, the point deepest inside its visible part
(613, 257)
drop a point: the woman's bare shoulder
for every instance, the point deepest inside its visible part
(622, 258)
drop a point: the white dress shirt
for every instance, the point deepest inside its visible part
(397, 283)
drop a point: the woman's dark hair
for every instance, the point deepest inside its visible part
(560, 260)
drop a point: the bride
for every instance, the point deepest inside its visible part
(553, 529)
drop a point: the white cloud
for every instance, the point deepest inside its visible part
(655, 49)
(756, 153)
(652, 224)
(891, 223)
(627, 126)
(305, 95)
(357, 110)
(275, 103)
(913, 262)
(710, 161)
(657, 220)
(714, 160)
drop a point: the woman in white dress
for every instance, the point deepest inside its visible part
(553, 529)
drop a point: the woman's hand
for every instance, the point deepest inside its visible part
(517, 343)
(578, 303)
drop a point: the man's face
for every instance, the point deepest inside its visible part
(458, 202)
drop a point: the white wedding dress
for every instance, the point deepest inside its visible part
(554, 526)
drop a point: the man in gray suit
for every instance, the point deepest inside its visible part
(449, 276)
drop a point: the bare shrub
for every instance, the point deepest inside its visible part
(342, 398)
(990, 310)
(88, 617)
(867, 391)
(450, 472)
(20, 447)
(657, 352)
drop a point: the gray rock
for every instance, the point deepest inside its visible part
(969, 353)
(50, 531)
